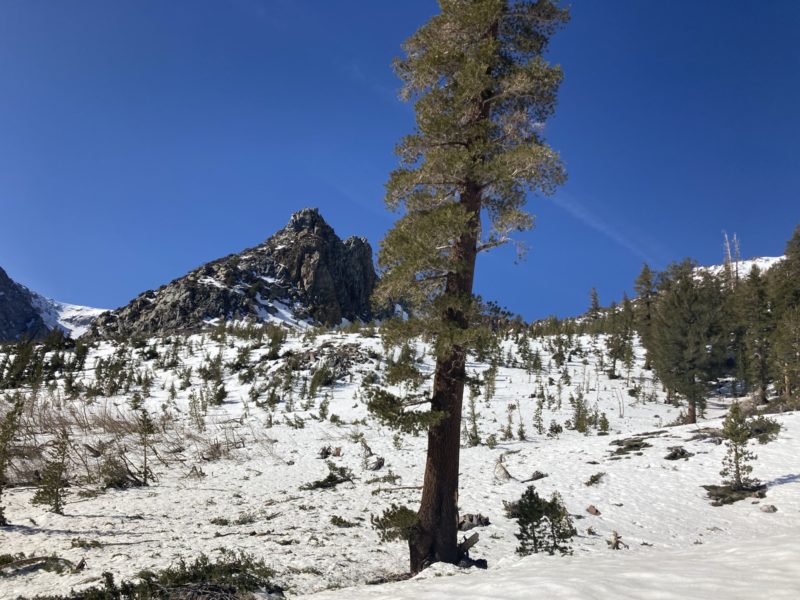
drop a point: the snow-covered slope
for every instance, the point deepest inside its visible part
(760, 568)
(232, 476)
(74, 320)
(743, 267)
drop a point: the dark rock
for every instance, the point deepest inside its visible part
(678, 452)
(377, 464)
(467, 563)
(630, 445)
(304, 272)
(18, 316)
(470, 521)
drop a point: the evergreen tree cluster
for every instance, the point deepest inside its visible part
(699, 328)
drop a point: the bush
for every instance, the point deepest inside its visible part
(341, 522)
(114, 474)
(234, 575)
(596, 478)
(395, 523)
(52, 490)
(544, 525)
(763, 429)
(336, 475)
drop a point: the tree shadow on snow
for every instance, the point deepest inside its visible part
(784, 479)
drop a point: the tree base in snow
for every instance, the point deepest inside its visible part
(725, 494)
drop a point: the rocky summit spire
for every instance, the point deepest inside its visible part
(304, 272)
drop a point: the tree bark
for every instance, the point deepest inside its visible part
(691, 416)
(435, 538)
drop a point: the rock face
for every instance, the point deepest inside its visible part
(302, 273)
(18, 315)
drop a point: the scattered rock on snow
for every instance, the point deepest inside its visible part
(677, 452)
(377, 464)
(630, 445)
(769, 508)
(592, 510)
(470, 521)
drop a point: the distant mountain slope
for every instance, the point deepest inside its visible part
(301, 275)
(26, 314)
(743, 267)
(72, 319)
(19, 318)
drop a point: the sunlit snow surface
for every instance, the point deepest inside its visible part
(743, 267)
(757, 569)
(680, 546)
(72, 319)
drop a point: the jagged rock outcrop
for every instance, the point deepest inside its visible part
(18, 316)
(305, 272)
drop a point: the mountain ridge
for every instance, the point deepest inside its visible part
(304, 274)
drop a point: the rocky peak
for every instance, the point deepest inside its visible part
(307, 220)
(303, 273)
(18, 316)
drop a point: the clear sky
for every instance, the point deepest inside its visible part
(141, 138)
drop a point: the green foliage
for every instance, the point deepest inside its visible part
(324, 406)
(763, 429)
(323, 376)
(538, 420)
(336, 475)
(595, 479)
(145, 428)
(52, 489)
(686, 344)
(8, 429)
(404, 370)
(736, 432)
(84, 544)
(602, 424)
(473, 436)
(544, 525)
(393, 411)
(482, 88)
(114, 474)
(233, 575)
(395, 523)
(580, 413)
(338, 521)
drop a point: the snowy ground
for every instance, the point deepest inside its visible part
(680, 546)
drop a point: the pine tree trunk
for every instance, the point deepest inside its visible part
(435, 538)
(691, 416)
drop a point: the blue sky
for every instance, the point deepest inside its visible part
(141, 138)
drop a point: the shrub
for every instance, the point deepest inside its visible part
(234, 575)
(52, 490)
(8, 427)
(335, 476)
(596, 478)
(341, 522)
(395, 523)
(544, 525)
(763, 429)
(735, 467)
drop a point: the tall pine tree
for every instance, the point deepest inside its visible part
(687, 343)
(646, 293)
(482, 90)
